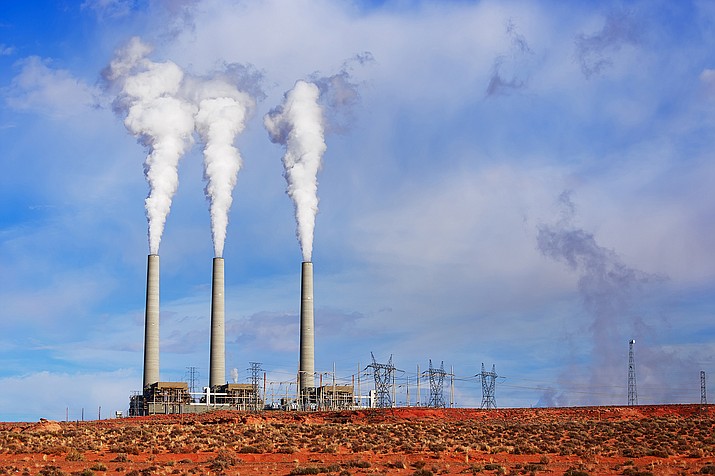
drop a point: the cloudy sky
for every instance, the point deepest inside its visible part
(526, 184)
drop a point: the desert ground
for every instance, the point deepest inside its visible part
(639, 440)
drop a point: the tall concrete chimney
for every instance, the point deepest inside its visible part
(217, 364)
(151, 323)
(307, 334)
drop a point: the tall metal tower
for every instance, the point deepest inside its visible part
(384, 380)
(703, 396)
(255, 370)
(489, 380)
(436, 386)
(632, 391)
(191, 377)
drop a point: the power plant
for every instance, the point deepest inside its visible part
(174, 397)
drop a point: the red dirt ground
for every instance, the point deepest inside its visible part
(637, 441)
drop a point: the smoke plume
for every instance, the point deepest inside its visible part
(159, 118)
(610, 290)
(593, 51)
(221, 115)
(298, 124)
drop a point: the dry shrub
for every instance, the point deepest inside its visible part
(74, 455)
(223, 460)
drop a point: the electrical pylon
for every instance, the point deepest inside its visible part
(192, 377)
(632, 391)
(489, 380)
(436, 385)
(255, 370)
(384, 380)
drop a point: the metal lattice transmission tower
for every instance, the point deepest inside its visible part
(191, 377)
(255, 370)
(384, 380)
(703, 395)
(436, 386)
(632, 390)
(489, 383)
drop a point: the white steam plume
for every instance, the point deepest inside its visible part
(221, 116)
(159, 119)
(298, 124)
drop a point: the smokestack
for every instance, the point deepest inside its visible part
(217, 365)
(151, 325)
(307, 335)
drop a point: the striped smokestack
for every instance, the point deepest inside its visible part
(307, 335)
(151, 323)
(217, 365)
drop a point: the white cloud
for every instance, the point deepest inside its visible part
(6, 50)
(109, 9)
(54, 92)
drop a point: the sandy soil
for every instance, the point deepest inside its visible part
(667, 440)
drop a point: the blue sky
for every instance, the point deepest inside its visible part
(525, 184)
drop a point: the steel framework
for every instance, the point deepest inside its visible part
(489, 380)
(192, 378)
(703, 395)
(384, 380)
(632, 390)
(436, 385)
(255, 370)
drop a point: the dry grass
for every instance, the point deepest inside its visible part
(372, 442)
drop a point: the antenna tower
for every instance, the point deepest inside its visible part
(703, 395)
(255, 370)
(384, 378)
(436, 382)
(632, 391)
(489, 380)
(191, 377)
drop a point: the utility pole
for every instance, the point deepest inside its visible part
(359, 388)
(419, 403)
(408, 391)
(394, 391)
(451, 386)
(632, 391)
